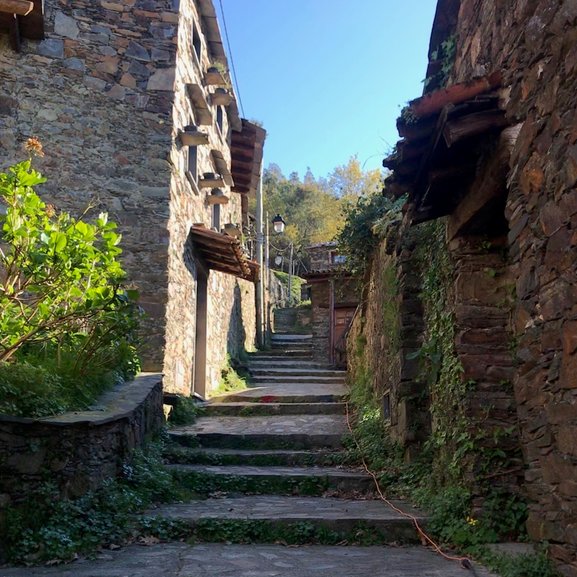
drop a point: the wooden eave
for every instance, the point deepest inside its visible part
(222, 253)
(427, 165)
(246, 157)
(202, 113)
(221, 166)
(22, 19)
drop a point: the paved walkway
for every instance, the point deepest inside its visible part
(181, 560)
(275, 441)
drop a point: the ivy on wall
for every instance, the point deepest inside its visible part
(442, 371)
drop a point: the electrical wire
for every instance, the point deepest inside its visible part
(230, 58)
(465, 562)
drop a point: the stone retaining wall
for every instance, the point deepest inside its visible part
(78, 451)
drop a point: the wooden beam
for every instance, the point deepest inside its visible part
(434, 102)
(14, 32)
(17, 7)
(473, 125)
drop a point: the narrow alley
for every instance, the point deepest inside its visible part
(270, 456)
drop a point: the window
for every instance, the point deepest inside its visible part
(192, 162)
(216, 217)
(220, 119)
(196, 43)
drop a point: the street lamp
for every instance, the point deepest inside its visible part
(278, 224)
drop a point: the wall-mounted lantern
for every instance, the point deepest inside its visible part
(278, 224)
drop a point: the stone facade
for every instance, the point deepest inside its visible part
(534, 45)
(107, 94)
(511, 236)
(78, 451)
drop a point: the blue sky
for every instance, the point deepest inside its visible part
(327, 78)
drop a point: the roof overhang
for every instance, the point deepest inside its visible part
(222, 253)
(246, 156)
(22, 19)
(444, 134)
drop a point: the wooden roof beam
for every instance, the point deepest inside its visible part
(17, 7)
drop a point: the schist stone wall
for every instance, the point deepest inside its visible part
(78, 451)
(534, 44)
(105, 93)
(98, 94)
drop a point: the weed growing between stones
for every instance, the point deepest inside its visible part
(297, 533)
(48, 529)
(185, 411)
(203, 484)
(231, 378)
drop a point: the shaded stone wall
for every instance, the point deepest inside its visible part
(534, 44)
(384, 335)
(98, 93)
(78, 451)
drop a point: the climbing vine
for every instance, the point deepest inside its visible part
(441, 369)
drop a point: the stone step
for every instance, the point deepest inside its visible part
(278, 432)
(295, 337)
(275, 354)
(262, 458)
(268, 516)
(287, 393)
(255, 409)
(281, 362)
(296, 372)
(256, 480)
(309, 380)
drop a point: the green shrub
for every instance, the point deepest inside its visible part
(62, 307)
(28, 391)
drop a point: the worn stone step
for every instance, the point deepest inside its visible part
(263, 457)
(295, 337)
(287, 371)
(253, 480)
(309, 380)
(274, 354)
(247, 409)
(273, 514)
(281, 362)
(287, 393)
(278, 432)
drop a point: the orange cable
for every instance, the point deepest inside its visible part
(464, 561)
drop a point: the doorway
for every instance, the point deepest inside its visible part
(199, 362)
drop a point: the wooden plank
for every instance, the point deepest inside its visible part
(434, 102)
(17, 7)
(473, 125)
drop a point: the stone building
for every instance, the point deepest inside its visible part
(491, 147)
(334, 299)
(134, 105)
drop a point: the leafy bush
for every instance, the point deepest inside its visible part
(366, 222)
(61, 302)
(28, 391)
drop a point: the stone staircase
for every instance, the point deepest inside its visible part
(269, 457)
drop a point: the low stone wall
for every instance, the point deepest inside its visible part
(78, 451)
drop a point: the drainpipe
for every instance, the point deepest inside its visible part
(259, 297)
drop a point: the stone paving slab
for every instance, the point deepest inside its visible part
(306, 379)
(277, 425)
(257, 471)
(255, 409)
(277, 507)
(182, 560)
(288, 392)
